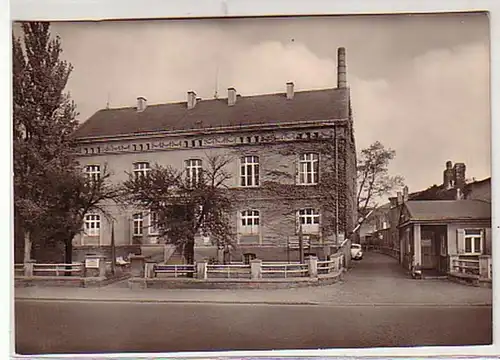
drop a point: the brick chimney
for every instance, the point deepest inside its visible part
(405, 194)
(449, 176)
(289, 90)
(400, 198)
(231, 96)
(142, 103)
(341, 68)
(459, 170)
(191, 99)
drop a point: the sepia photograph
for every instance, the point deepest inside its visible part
(259, 183)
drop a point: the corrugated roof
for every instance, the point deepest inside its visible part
(429, 210)
(329, 104)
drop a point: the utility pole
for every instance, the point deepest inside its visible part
(301, 245)
(113, 248)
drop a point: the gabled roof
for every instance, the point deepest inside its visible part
(433, 210)
(314, 105)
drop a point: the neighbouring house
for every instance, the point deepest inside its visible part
(432, 231)
(264, 134)
(473, 198)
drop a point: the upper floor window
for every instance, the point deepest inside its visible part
(93, 172)
(250, 221)
(138, 224)
(249, 171)
(194, 168)
(141, 168)
(92, 224)
(473, 241)
(308, 169)
(309, 220)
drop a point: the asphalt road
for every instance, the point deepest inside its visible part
(85, 327)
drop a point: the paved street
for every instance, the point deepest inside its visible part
(375, 305)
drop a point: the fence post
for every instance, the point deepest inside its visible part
(137, 265)
(256, 269)
(312, 266)
(29, 267)
(484, 266)
(452, 259)
(201, 270)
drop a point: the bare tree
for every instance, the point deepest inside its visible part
(374, 180)
(185, 204)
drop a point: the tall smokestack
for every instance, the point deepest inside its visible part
(341, 68)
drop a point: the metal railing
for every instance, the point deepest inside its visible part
(284, 270)
(57, 269)
(229, 271)
(466, 266)
(174, 270)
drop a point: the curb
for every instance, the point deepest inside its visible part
(226, 302)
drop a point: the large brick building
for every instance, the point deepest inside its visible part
(285, 133)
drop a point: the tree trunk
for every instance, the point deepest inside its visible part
(68, 254)
(28, 244)
(189, 253)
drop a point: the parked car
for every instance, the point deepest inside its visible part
(356, 252)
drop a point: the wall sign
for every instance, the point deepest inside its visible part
(92, 263)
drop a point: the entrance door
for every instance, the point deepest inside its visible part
(429, 258)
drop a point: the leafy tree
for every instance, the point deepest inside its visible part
(51, 192)
(44, 118)
(185, 206)
(374, 180)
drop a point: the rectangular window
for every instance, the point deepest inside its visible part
(308, 169)
(138, 224)
(153, 223)
(473, 241)
(141, 169)
(194, 168)
(309, 220)
(93, 172)
(92, 224)
(249, 171)
(250, 221)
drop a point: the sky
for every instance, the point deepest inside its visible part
(419, 83)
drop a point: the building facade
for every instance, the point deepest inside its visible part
(295, 139)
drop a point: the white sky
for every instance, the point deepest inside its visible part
(420, 84)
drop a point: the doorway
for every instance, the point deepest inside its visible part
(434, 247)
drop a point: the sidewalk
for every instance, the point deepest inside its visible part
(340, 294)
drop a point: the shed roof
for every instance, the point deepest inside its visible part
(327, 104)
(432, 210)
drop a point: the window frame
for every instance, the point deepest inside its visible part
(308, 166)
(153, 224)
(137, 224)
(249, 178)
(253, 216)
(141, 168)
(193, 171)
(89, 220)
(305, 214)
(93, 172)
(472, 236)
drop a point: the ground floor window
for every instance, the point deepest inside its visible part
(308, 220)
(138, 224)
(473, 241)
(92, 224)
(249, 222)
